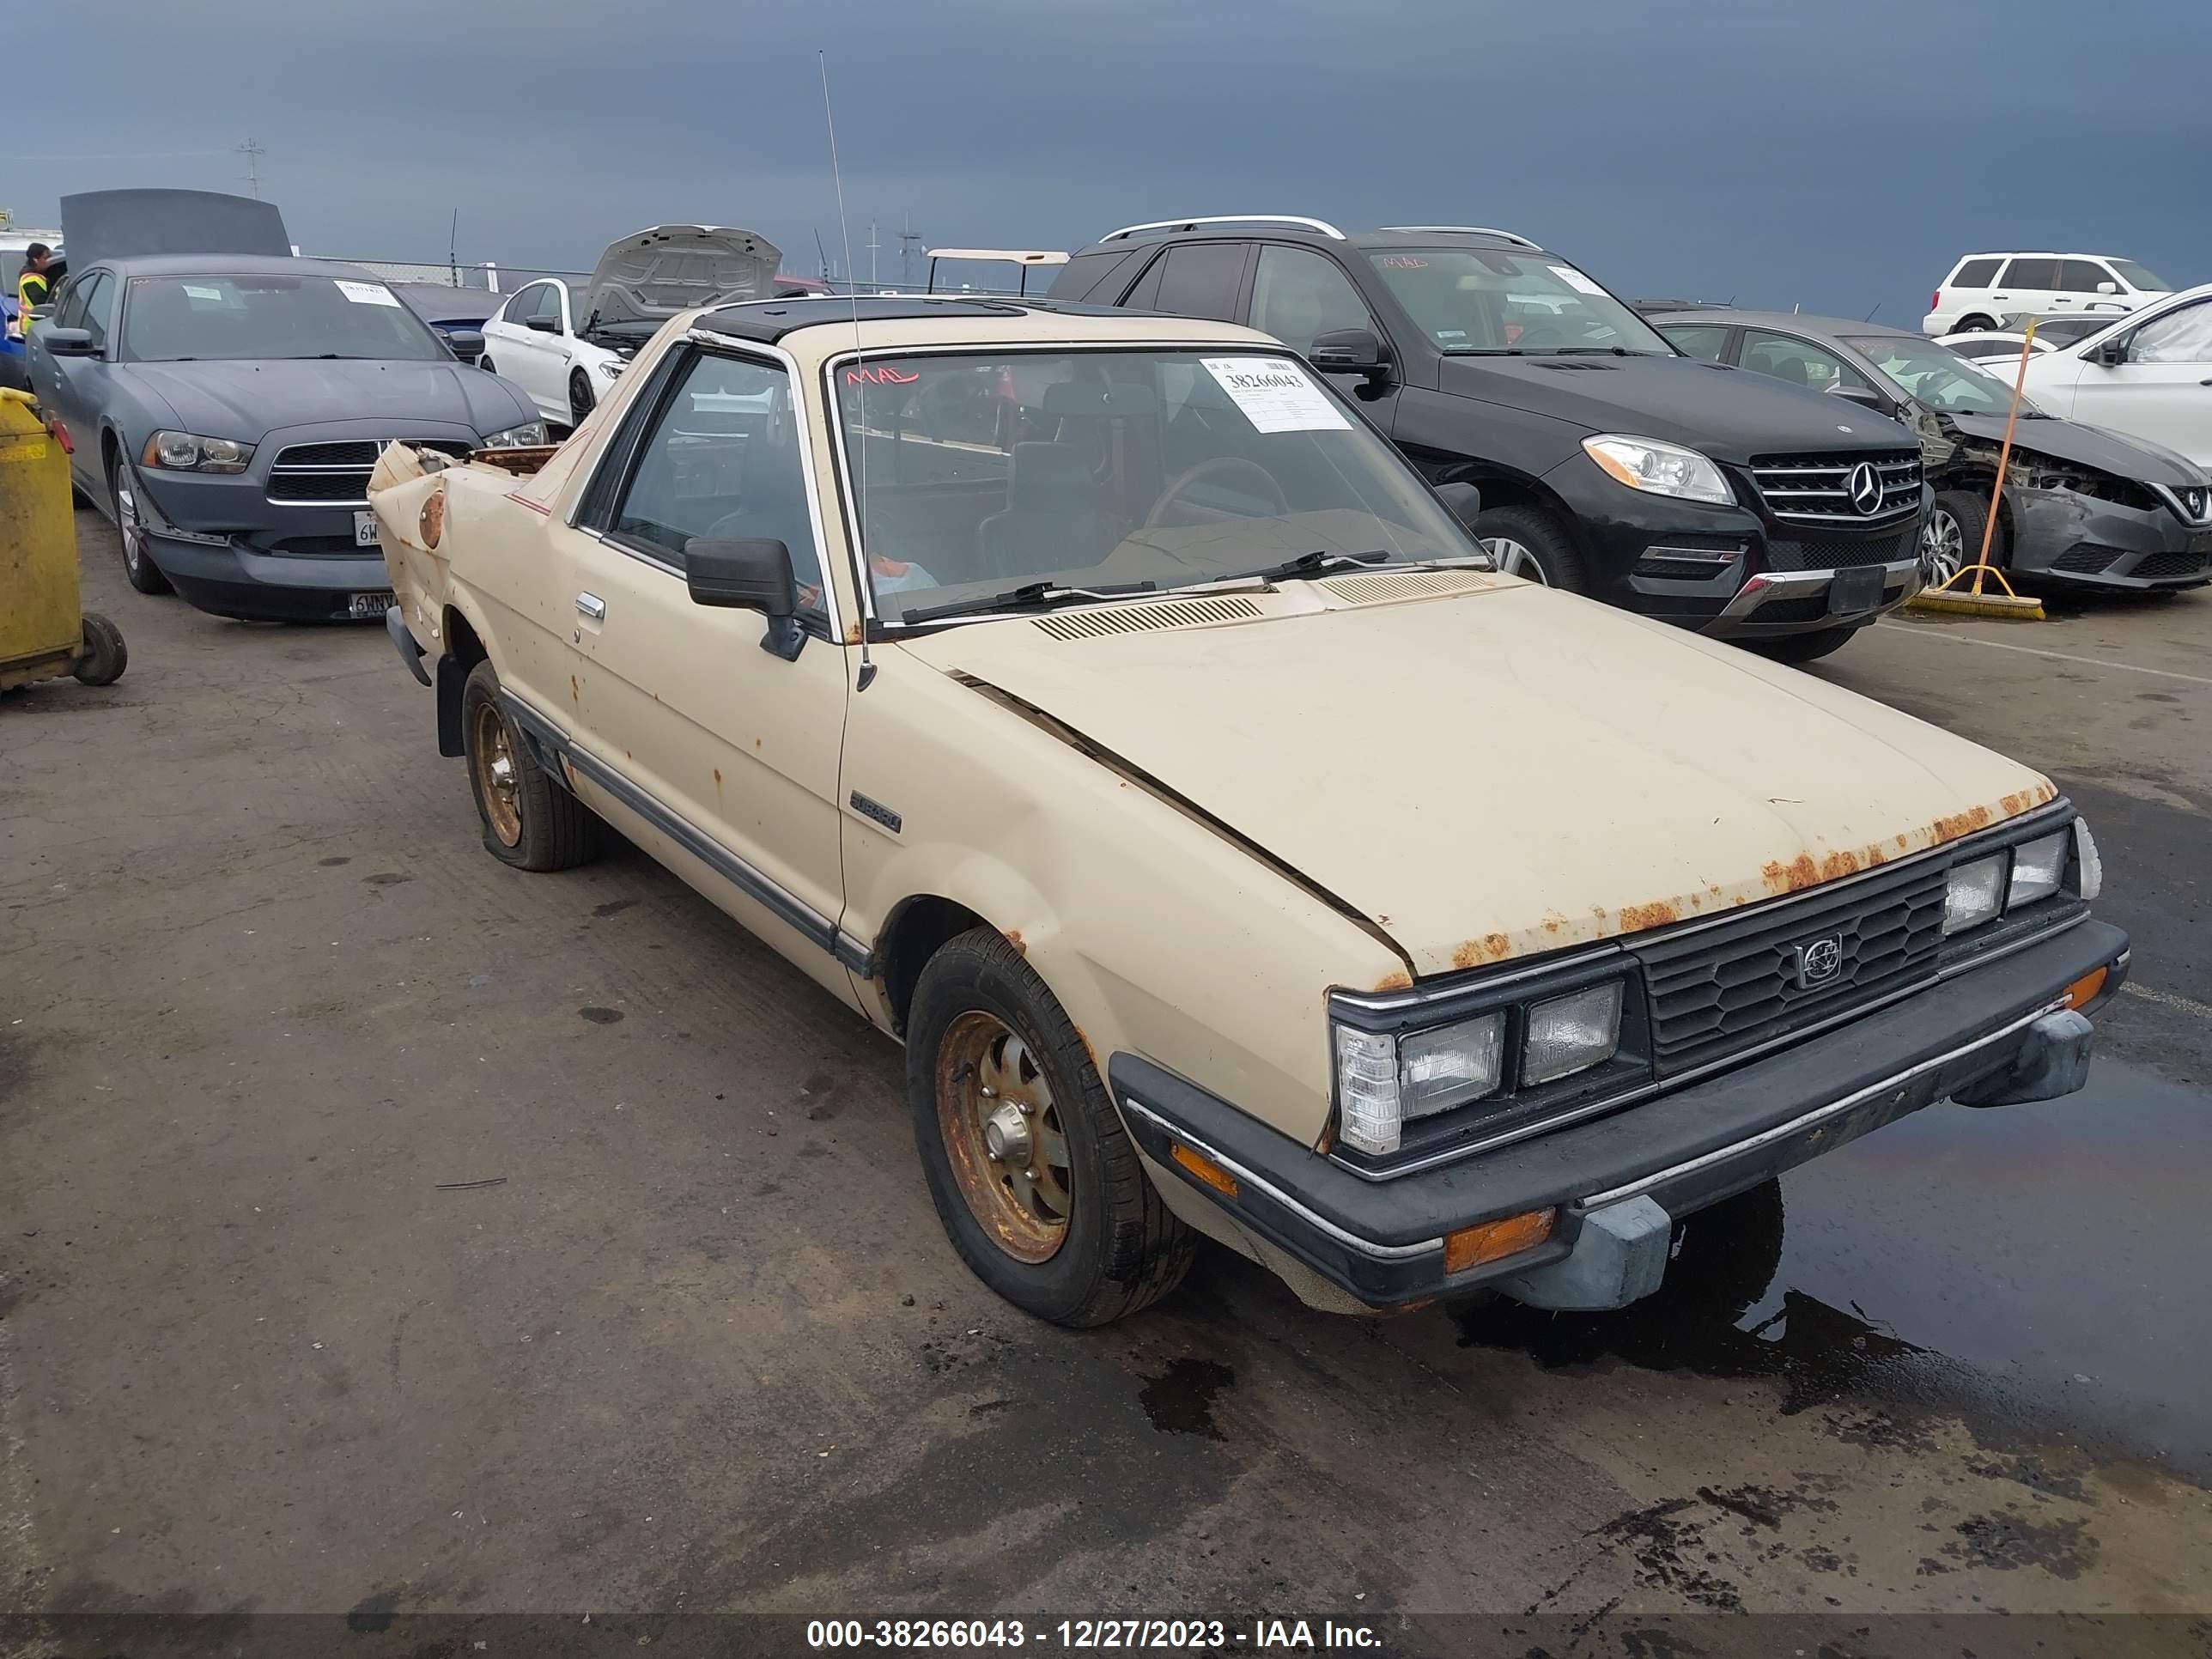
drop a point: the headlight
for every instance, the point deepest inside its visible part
(2093, 867)
(1661, 469)
(2037, 869)
(611, 369)
(185, 452)
(1975, 893)
(1571, 1033)
(528, 436)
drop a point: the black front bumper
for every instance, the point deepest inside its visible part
(1983, 1036)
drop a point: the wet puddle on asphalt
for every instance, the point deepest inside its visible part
(2036, 1270)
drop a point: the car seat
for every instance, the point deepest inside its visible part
(1056, 517)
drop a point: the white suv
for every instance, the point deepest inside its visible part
(1984, 288)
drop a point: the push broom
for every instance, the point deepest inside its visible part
(2008, 605)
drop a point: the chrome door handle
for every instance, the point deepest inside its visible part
(591, 606)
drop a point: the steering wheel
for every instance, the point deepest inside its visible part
(1236, 464)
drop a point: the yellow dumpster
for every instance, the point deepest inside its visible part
(43, 633)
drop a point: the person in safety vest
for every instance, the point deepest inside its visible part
(33, 288)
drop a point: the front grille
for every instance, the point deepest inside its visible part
(1719, 990)
(1836, 552)
(1817, 488)
(336, 474)
(2187, 562)
(2087, 560)
(1803, 609)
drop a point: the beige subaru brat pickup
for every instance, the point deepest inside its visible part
(1101, 707)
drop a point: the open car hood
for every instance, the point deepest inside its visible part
(651, 274)
(126, 224)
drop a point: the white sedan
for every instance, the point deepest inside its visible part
(2148, 375)
(566, 350)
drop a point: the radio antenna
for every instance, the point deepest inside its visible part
(853, 291)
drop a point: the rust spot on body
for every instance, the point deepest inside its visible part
(575, 691)
(1962, 824)
(1657, 914)
(1794, 877)
(1394, 983)
(1490, 947)
(1838, 864)
(1904, 843)
(1014, 938)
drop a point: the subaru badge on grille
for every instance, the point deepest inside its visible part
(1819, 961)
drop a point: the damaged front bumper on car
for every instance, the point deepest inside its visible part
(2080, 538)
(2009, 1031)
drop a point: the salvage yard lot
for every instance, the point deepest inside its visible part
(386, 1228)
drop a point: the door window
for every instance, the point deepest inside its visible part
(1299, 294)
(1699, 340)
(1975, 273)
(2032, 274)
(69, 313)
(1798, 361)
(541, 303)
(2180, 337)
(1200, 279)
(721, 462)
(99, 309)
(2082, 276)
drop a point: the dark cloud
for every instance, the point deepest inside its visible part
(1779, 151)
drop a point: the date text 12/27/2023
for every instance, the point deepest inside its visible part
(1084, 1635)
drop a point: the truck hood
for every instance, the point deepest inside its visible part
(1508, 772)
(651, 274)
(247, 400)
(2088, 446)
(1726, 413)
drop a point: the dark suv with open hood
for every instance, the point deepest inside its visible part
(1608, 462)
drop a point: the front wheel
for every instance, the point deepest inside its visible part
(1032, 1175)
(130, 529)
(529, 820)
(1805, 647)
(1952, 538)
(581, 399)
(483, 362)
(1975, 325)
(1529, 543)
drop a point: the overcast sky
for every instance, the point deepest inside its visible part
(1835, 153)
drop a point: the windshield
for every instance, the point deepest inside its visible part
(2137, 276)
(1139, 471)
(271, 314)
(1938, 377)
(1480, 300)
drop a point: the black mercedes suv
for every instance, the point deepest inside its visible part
(1608, 462)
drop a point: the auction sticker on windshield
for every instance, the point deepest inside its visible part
(1275, 394)
(1575, 280)
(367, 293)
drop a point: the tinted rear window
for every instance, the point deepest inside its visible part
(1201, 280)
(2032, 273)
(1975, 273)
(1087, 273)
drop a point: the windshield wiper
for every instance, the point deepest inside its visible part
(1028, 594)
(1306, 564)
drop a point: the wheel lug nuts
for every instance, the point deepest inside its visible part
(1028, 1175)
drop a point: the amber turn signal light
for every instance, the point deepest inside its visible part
(1207, 1170)
(2084, 990)
(1471, 1247)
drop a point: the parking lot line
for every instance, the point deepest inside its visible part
(2033, 651)
(2167, 1000)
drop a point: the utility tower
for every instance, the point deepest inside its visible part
(252, 152)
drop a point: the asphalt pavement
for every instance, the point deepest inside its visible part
(384, 1230)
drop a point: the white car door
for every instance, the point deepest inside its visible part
(499, 332)
(2162, 389)
(2029, 282)
(532, 350)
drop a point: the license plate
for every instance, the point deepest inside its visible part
(364, 529)
(1857, 589)
(359, 605)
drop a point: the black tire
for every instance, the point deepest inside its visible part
(553, 831)
(1123, 1248)
(1805, 647)
(1976, 324)
(581, 401)
(1969, 509)
(138, 560)
(105, 656)
(483, 362)
(1541, 537)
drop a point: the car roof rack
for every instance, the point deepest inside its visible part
(1513, 236)
(1321, 225)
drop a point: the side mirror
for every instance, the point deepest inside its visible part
(466, 343)
(1464, 500)
(1348, 351)
(748, 575)
(1865, 396)
(66, 342)
(2111, 354)
(544, 325)
(2108, 288)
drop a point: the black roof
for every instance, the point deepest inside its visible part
(767, 322)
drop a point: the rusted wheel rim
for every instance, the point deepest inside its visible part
(1003, 1134)
(493, 759)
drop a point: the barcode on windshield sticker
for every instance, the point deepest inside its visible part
(367, 293)
(1275, 394)
(1575, 280)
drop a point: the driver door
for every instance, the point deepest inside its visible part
(2163, 392)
